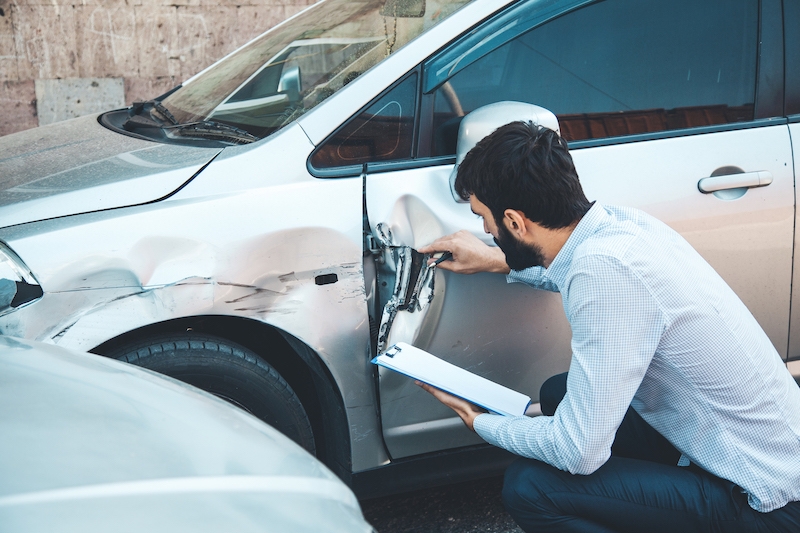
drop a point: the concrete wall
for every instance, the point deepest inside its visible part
(64, 58)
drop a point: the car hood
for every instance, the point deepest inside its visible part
(78, 166)
(91, 444)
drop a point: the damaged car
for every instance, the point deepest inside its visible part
(254, 231)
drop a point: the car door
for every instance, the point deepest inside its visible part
(669, 106)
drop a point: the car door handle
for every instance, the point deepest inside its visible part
(735, 181)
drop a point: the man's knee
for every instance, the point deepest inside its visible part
(524, 484)
(552, 392)
(526, 487)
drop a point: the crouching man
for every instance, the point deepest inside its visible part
(677, 413)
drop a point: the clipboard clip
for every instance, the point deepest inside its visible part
(393, 350)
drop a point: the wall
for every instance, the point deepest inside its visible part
(65, 58)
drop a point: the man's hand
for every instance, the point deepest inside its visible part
(467, 411)
(470, 254)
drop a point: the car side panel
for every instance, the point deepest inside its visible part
(253, 254)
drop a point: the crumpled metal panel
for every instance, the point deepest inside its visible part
(404, 315)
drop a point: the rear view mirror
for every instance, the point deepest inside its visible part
(403, 8)
(290, 83)
(484, 120)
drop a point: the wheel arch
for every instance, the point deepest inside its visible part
(298, 364)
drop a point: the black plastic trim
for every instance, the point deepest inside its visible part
(425, 124)
(431, 470)
(354, 171)
(388, 166)
(326, 279)
(719, 128)
(114, 120)
(26, 293)
(769, 84)
(791, 25)
(794, 119)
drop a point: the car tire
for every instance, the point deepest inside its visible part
(228, 371)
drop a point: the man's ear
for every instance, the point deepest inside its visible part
(515, 222)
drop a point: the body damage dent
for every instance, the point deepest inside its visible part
(185, 297)
(405, 312)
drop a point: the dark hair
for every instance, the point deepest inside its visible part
(525, 167)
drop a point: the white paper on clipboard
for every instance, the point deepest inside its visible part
(428, 368)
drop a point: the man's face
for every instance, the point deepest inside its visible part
(519, 255)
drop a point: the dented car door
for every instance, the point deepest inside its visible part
(507, 333)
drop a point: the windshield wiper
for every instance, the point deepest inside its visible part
(153, 115)
(150, 114)
(209, 129)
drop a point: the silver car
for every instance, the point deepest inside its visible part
(94, 445)
(254, 231)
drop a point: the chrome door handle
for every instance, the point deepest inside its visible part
(760, 178)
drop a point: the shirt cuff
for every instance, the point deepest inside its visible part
(486, 426)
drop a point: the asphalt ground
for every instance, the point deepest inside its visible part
(464, 508)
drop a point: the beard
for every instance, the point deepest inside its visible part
(519, 255)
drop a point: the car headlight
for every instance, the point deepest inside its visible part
(18, 286)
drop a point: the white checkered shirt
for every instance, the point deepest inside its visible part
(654, 327)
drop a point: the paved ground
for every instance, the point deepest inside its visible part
(464, 508)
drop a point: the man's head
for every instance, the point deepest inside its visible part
(525, 167)
(522, 173)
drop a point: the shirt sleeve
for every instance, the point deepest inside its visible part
(536, 277)
(616, 327)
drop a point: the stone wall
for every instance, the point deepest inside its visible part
(64, 58)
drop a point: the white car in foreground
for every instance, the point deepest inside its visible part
(90, 444)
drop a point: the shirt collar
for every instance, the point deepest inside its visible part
(594, 218)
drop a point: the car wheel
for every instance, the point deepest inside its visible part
(229, 371)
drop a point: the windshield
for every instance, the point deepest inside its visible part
(290, 69)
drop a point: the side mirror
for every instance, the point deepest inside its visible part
(290, 83)
(484, 120)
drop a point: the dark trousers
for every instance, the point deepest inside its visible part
(639, 489)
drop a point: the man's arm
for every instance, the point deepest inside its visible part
(470, 254)
(616, 325)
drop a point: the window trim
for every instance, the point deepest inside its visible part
(686, 132)
(435, 161)
(769, 96)
(350, 171)
(770, 73)
(492, 34)
(791, 13)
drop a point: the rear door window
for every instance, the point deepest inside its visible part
(616, 68)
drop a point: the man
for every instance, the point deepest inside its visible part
(677, 413)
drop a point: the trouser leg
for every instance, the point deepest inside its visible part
(624, 495)
(640, 488)
(635, 438)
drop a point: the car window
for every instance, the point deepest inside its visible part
(298, 64)
(383, 132)
(618, 67)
